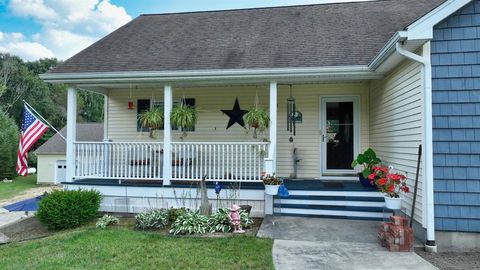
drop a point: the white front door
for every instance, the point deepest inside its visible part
(340, 131)
(60, 171)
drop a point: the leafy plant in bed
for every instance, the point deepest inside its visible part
(366, 160)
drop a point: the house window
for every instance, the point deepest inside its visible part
(142, 106)
(145, 104)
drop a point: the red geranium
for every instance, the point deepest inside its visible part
(388, 182)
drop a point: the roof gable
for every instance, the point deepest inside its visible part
(346, 34)
(88, 132)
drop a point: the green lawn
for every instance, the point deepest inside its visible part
(122, 248)
(19, 184)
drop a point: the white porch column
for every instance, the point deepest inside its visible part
(71, 132)
(167, 135)
(271, 162)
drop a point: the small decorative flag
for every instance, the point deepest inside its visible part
(283, 191)
(218, 188)
(32, 129)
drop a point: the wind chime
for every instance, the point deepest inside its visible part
(291, 127)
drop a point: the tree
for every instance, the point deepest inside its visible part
(8, 146)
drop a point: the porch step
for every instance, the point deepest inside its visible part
(348, 200)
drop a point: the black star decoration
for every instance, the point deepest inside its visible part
(236, 115)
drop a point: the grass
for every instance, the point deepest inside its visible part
(120, 248)
(19, 184)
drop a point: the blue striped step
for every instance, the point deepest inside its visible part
(348, 200)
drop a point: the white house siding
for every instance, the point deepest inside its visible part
(396, 124)
(212, 123)
(46, 167)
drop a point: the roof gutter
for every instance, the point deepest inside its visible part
(424, 60)
(203, 75)
(388, 49)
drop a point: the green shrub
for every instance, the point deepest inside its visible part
(173, 213)
(106, 221)
(154, 219)
(190, 223)
(8, 146)
(64, 209)
(220, 222)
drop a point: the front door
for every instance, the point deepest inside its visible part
(339, 128)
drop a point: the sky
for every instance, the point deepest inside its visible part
(35, 29)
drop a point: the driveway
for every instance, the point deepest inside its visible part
(319, 243)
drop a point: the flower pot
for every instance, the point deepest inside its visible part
(365, 181)
(393, 203)
(271, 189)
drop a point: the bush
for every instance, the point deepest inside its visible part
(190, 223)
(154, 219)
(106, 221)
(174, 213)
(220, 222)
(8, 146)
(64, 209)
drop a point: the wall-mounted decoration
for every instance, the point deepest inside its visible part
(236, 115)
(298, 117)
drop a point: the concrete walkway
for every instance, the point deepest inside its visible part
(318, 243)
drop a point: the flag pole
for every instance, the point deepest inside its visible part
(48, 123)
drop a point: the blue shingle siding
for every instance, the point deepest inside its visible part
(456, 120)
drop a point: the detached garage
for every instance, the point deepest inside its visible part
(52, 166)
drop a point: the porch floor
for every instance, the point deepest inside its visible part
(297, 184)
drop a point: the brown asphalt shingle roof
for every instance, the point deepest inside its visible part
(86, 132)
(296, 36)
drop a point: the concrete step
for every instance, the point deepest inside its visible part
(331, 213)
(285, 202)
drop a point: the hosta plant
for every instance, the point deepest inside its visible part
(106, 221)
(190, 223)
(219, 222)
(174, 213)
(151, 220)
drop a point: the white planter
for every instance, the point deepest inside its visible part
(393, 203)
(271, 189)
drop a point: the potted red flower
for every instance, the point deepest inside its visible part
(391, 184)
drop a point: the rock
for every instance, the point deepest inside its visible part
(3, 238)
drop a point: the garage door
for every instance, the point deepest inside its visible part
(60, 171)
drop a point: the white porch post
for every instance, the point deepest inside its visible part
(271, 162)
(71, 132)
(167, 135)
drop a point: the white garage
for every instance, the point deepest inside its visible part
(51, 159)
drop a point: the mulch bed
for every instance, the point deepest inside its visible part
(452, 260)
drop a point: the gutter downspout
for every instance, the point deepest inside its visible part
(424, 60)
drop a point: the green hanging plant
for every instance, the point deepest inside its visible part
(258, 119)
(184, 117)
(152, 119)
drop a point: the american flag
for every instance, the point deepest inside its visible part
(32, 130)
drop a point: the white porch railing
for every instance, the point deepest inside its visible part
(218, 161)
(190, 160)
(118, 160)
